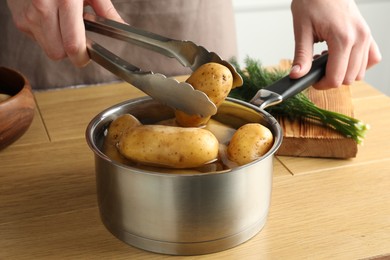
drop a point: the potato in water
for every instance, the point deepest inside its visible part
(115, 131)
(249, 142)
(120, 125)
(216, 81)
(169, 146)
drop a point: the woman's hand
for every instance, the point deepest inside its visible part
(57, 25)
(351, 47)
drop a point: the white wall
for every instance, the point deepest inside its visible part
(265, 32)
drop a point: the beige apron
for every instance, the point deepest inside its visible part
(208, 23)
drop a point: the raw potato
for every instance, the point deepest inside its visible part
(221, 131)
(187, 120)
(213, 79)
(250, 142)
(120, 125)
(115, 132)
(4, 97)
(216, 81)
(169, 146)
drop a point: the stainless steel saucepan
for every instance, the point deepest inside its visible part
(189, 214)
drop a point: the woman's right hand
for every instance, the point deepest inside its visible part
(351, 47)
(58, 26)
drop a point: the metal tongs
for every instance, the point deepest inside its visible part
(179, 95)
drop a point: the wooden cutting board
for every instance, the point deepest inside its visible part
(308, 139)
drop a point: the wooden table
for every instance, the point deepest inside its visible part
(320, 209)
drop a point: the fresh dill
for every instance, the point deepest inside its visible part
(299, 106)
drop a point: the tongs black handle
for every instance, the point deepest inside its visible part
(287, 87)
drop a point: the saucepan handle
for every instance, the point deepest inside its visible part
(288, 87)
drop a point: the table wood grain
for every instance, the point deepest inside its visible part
(320, 208)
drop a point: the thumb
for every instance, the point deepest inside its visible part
(303, 57)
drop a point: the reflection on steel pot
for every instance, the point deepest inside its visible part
(183, 214)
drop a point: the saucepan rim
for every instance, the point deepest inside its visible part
(94, 124)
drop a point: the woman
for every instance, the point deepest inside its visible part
(57, 26)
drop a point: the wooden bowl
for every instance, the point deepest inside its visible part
(16, 111)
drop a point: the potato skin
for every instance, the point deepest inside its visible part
(213, 79)
(169, 146)
(249, 142)
(221, 131)
(115, 131)
(120, 125)
(186, 120)
(216, 81)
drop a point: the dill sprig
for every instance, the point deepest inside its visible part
(299, 106)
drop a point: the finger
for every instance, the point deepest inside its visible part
(303, 55)
(359, 55)
(43, 22)
(355, 65)
(371, 57)
(374, 54)
(73, 32)
(20, 16)
(363, 66)
(106, 9)
(336, 66)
